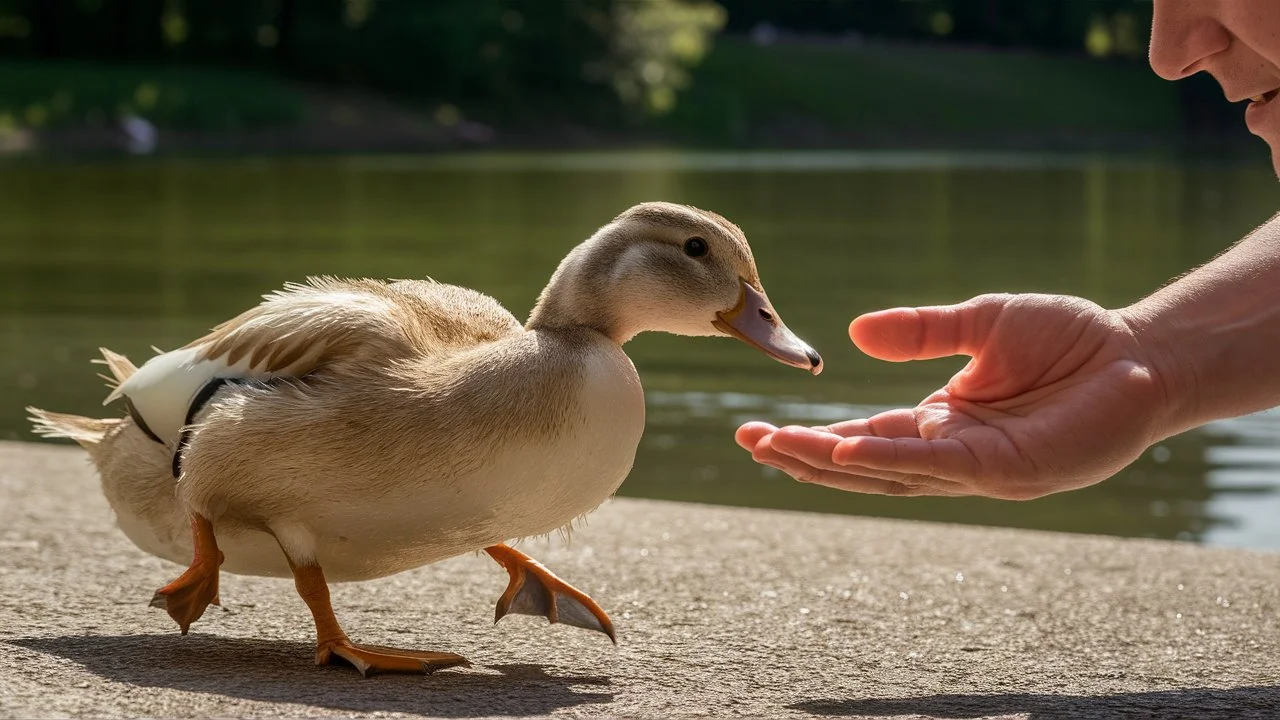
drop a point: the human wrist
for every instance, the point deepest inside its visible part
(1211, 337)
(1157, 337)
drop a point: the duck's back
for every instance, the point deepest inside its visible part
(341, 326)
(328, 321)
(446, 318)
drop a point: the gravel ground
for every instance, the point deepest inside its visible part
(720, 612)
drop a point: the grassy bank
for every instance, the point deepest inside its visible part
(790, 94)
(59, 95)
(801, 93)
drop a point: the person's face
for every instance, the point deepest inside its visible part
(1235, 41)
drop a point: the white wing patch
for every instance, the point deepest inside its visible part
(162, 389)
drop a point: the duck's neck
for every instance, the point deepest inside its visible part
(579, 295)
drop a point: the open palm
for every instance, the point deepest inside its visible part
(1058, 396)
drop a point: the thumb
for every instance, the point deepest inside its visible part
(924, 333)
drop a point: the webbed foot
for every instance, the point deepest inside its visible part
(369, 659)
(535, 590)
(186, 598)
(332, 642)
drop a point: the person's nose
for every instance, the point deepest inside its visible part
(1183, 36)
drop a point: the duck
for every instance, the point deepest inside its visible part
(349, 429)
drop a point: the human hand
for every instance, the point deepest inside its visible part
(1059, 395)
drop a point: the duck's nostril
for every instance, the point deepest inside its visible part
(768, 316)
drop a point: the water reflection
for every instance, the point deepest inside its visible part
(1158, 496)
(130, 255)
(1244, 477)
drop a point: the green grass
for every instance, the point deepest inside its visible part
(742, 94)
(59, 94)
(741, 88)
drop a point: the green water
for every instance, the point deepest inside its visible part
(133, 254)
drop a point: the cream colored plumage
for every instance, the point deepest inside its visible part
(370, 427)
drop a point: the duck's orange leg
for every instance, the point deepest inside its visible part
(186, 598)
(332, 641)
(535, 590)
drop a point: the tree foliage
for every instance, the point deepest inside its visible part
(1100, 27)
(504, 52)
(507, 59)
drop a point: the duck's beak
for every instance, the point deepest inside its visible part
(754, 321)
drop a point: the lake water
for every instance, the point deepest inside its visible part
(133, 254)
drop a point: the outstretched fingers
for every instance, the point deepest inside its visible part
(806, 455)
(888, 424)
(947, 460)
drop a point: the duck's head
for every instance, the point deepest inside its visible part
(669, 268)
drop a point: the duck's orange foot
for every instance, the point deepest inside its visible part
(535, 590)
(369, 659)
(186, 598)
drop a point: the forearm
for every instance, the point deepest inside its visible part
(1213, 336)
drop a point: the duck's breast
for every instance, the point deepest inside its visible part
(545, 483)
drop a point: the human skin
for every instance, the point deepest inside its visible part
(1061, 393)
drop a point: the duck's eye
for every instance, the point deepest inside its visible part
(695, 247)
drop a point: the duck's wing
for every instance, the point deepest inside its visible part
(324, 323)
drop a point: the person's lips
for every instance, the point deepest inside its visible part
(1261, 115)
(1265, 97)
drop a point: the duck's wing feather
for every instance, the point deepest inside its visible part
(324, 323)
(304, 325)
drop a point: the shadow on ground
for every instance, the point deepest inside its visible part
(283, 672)
(1199, 703)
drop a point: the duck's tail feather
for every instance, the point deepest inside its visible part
(121, 369)
(86, 431)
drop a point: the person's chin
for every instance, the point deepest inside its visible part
(1263, 120)
(1273, 144)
